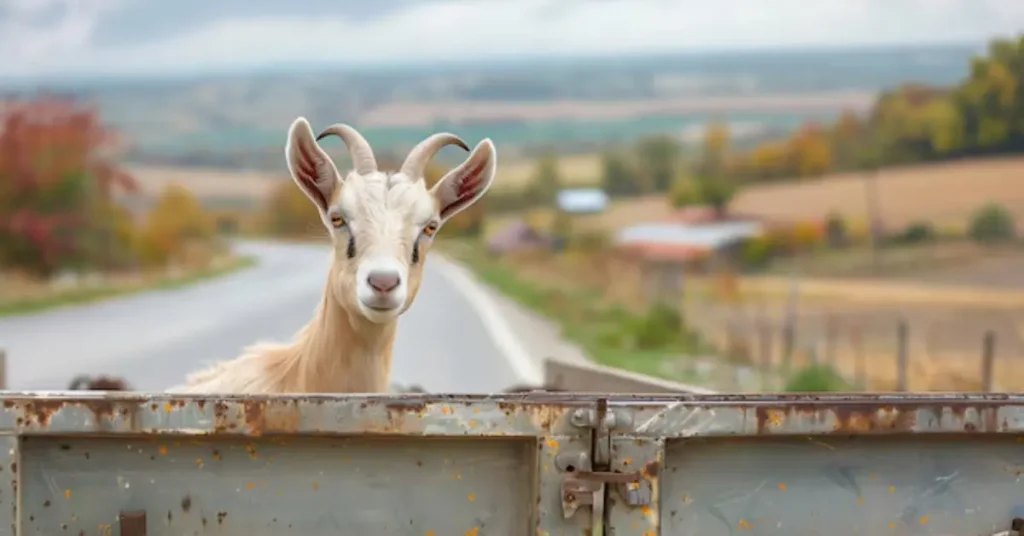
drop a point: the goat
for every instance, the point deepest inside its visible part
(382, 226)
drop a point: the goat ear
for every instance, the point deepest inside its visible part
(464, 185)
(309, 165)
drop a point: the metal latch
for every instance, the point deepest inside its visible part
(586, 488)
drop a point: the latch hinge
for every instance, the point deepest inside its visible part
(589, 488)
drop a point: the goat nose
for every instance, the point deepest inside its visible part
(383, 281)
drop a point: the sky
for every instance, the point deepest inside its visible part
(42, 38)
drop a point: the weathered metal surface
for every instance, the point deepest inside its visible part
(435, 464)
(9, 466)
(435, 415)
(279, 485)
(772, 415)
(635, 507)
(842, 485)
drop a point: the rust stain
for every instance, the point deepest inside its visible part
(250, 485)
(924, 520)
(431, 533)
(860, 500)
(251, 449)
(67, 494)
(199, 462)
(168, 408)
(646, 510)
(162, 450)
(744, 525)
(316, 486)
(473, 531)
(651, 469)
(552, 443)
(627, 461)
(472, 497)
(892, 526)
(782, 486)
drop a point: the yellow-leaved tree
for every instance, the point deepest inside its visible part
(176, 229)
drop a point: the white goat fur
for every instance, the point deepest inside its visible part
(379, 223)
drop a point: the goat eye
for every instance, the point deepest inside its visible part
(337, 221)
(430, 229)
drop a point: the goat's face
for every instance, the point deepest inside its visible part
(382, 224)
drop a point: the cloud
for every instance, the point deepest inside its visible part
(469, 29)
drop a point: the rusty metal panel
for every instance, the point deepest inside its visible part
(775, 415)
(9, 460)
(433, 415)
(842, 485)
(634, 507)
(310, 485)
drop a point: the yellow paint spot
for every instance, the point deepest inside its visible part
(163, 450)
(892, 526)
(860, 500)
(316, 486)
(446, 410)
(627, 461)
(473, 531)
(472, 497)
(645, 510)
(431, 533)
(552, 443)
(649, 533)
(924, 520)
(67, 494)
(743, 525)
(250, 485)
(476, 410)
(782, 487)
(472, 423)
(892, 489)
(168, 408)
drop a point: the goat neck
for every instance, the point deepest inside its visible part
(341, 352)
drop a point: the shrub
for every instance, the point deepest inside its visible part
(916, 233)
(816, 379)
(807, 235)
(685, 192)
(757, 252)
(991, 224)
(658, 328)
(835, 232)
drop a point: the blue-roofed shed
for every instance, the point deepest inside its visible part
(582, 200)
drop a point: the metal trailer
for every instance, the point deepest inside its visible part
(105, 464)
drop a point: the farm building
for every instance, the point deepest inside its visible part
(582, 201)
(658, 254)
(515, 237)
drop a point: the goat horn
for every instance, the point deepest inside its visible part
(415, 164)
(359, 149)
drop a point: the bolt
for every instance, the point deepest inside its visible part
(569, 497)
(580, 418)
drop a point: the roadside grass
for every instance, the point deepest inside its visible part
(50, 299)
(650, 342)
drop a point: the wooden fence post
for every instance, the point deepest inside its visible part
(766, 354)
(988, 356)
(902, 357)
(860, 371)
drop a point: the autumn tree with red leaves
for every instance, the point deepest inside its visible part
(57, 182)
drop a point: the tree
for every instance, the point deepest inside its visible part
(715, 149)
(658, 161)
(811, 151)
(992, 224)
(685, 192)
(57, 182)
(617, 176)
(290, 213)
(177, 221)
(546, 182)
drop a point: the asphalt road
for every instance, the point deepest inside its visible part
(154, 339)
